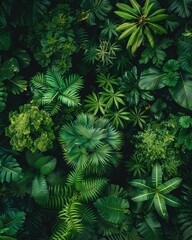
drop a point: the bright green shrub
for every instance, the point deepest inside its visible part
(158, 143)
(30, 128)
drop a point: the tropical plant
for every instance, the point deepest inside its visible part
(156, 55)
(96, 9)
(91, 144)
(118, 117)
(52, 39)
(181, 7)
(142, 20)
(137, 117)
(128, 84)
(109, 29)
(158, 143)
(10, 169)
(157, 192)
(10, 223)
(185, 213)
(53, 90)
(30, 128)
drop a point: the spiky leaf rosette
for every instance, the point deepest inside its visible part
(91, 144)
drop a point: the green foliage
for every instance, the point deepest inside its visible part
(128, 84)
(185, 213)
(78, 189)
(53, 90)
(5, 39)
(158, 192)
(142, 20)
(52, 40)
(181, 7)
(34, 11)
(112, 208)
(12, 221)
(150, 227)
(3, 96)
(90, 143)
(137, 116)
(179, 83)
(156, 55)
(96, 9)
(10, 170)
(157, 142)
(30, 128)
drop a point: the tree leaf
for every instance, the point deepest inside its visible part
(181, 93)
(160, 206)
(9, 169)
(170, 185)
(13, 220)
(112, 208)
(156, 175)
(150, 227)
(5, 40)
(151, 79)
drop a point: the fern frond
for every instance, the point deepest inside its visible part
(59, 196)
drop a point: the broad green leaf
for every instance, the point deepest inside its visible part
(160, 206)
(150, 227)
(13, 220)
(5, 40)
(112, 208)
(151, 79)
(170, 185)
(18, 85)
(8, 69)
(9, 169)
(144, 195)
(181, 7)
(181, 93)
(139, 183)
(156, 175)
(171, 200)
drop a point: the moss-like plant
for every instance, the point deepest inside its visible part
(91, 143)
(30, 128)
